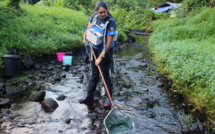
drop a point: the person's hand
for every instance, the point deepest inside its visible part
(98, 60)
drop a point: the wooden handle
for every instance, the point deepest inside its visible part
(103, 80)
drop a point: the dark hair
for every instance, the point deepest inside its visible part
(102, 4)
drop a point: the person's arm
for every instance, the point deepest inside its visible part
(85, 33)
(107, 47)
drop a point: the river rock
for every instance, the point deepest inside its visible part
(67, 121)
(143, 65)
(63, 75)
(38, 96)
(50, 67)
(49, 105)
(44, 71)
(70, 53)
(58, 66)
(61, 97)
(2, 89)
(38, 87)
(13, 91)
(160, 85)
(30, 77)
(37, 66)
(5, 102)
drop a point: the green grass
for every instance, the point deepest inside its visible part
(184, 50)
(39, 29)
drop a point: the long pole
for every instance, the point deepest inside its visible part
(103, 80)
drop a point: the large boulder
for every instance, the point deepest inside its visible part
(38, 96)
(49, 105)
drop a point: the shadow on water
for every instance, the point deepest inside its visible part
(139, 91)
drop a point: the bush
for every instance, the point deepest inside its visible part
(39, 30)
(184, 50)
(135, 20)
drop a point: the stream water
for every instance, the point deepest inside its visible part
(139, 91)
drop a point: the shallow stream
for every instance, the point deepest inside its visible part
(139, 91)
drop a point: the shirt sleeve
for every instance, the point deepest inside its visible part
(111, 27)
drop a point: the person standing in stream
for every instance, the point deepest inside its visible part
(104, 55)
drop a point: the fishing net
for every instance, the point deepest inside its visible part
(117, 122)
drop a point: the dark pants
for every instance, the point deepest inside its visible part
(105, 66)
(87, 54)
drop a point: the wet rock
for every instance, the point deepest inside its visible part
(79, 81)
(37, 77)
(15, 83)
(14, 106)
(124, 99)
(143, 65)
(126, 84)
(44, 71)
(61, 97)
(126, 93)
(23, 87)
(50, 67)
(122, 63)
(30, 77)
(131, 39)
(38, 87)
(30, 83)
(38, 96)
(63, 75)
(58, 79)
(160, 85)
(49, 105)
(5, 112)
(151, 103)
(151, 115)
(37, 67)
(80, 75)
(49, 89)
(55, 90)
(67, 121)
(13, 91)
(70, 53)
(92, 115)
(60, 131)
(75, 72)
(58, 66)
(2, 89)
(5, 102)
(53, 62)
(44, 67)
(66, 67)
(146, 90)
(197, 127)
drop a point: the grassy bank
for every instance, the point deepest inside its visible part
(39, 29)
(184, 50)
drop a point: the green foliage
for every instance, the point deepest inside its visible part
(134, 20)
(122, 37)
(14, 4)
(184, 49)
(84, 5)
(192, 7)
(40, 30)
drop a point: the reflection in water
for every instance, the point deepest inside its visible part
(135, 48)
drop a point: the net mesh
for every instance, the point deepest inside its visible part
(117, 122)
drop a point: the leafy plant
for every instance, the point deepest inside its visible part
(184, 50)
(41, 29)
